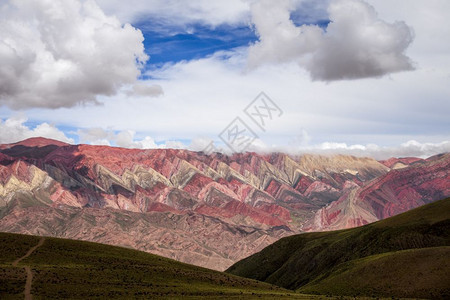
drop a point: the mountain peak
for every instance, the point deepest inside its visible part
(35, 142)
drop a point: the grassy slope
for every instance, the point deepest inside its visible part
(296, 261)
(421, 273)
(74, 269)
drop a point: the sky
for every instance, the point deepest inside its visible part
(367, 78)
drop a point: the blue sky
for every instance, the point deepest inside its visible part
(166, 43)
(348, 74)
(195, 42)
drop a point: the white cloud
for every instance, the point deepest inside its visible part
(95, 136)
(141, 89)
(280, 40)
(124, 138)
(60, 53)
(202, 96)
(173, 145)
(14, 130)
(147, 143)
(200, 143)
(356, 44)
(173, 12)
(410, 148)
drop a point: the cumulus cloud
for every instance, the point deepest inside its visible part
(124, 138)
(280, 40)
(95, 136)
(202, 96)
(358, 44)
(355, 44)
(14, 130)
(59, 53)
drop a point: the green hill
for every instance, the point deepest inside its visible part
(403, 256)
(419, 273)
(61, 268)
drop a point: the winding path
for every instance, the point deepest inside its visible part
(29, 281)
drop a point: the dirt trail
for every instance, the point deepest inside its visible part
(27, 290)
(29, 281)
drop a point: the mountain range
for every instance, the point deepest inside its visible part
(208, 210)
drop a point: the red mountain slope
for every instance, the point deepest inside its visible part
(35, 142)
(390, 194)
(210, 210)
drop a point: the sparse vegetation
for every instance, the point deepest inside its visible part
(83, 270)
(404, 256)
(363, 261)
